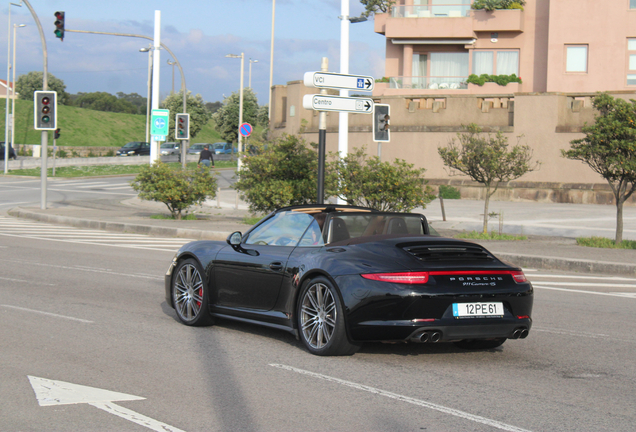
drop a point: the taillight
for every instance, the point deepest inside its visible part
(409, 278)
(412, 278)
(519, 277)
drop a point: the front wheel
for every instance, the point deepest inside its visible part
(321, 322)
(190, 294)
(472, 344)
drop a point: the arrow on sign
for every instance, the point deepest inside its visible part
(49, 392)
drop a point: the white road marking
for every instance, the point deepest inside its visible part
(46, 313)
(14, 203)
(608, 294)
(89, 269)
(616, 278)
(50, 393)
(579, 334)
(25, 281)
(586, 284)
(395, 396)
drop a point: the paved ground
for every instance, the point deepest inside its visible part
(551, 228)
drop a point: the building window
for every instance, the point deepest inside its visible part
(576, 58)
(631, 62)
(448, 70)
(503, 63)
(632, 4)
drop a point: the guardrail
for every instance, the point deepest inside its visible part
(431, 11)
(431, 83)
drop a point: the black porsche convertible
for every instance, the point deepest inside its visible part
(337, 276)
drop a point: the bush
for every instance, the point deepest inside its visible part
(502, 80)
(491, 5)
(449, 192)
(281, 174)
(178, 189)
(380, 185)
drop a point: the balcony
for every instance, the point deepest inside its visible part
(446, 21)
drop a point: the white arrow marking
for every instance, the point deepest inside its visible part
(49, 392)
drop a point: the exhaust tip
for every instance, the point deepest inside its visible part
(524, 334)
(516, 334)
(435, 336)
(424, 337)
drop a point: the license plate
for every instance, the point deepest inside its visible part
(463, 310)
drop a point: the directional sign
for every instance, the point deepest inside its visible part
(339, 81)
(245, 129)
(338, 103)
(49, 392)
(159, 122)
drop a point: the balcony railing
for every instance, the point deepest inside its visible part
(431, 83)
(431, 11)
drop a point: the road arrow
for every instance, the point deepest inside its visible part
(49, 392)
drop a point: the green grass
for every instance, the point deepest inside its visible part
(84, 127)
(251, 220)
(475, 235)
(105, 170)
(602, 242)
(189, 216)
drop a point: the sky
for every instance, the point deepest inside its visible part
(199, 33)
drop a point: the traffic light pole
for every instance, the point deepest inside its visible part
(45, 86)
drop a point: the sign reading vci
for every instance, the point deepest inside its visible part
(159, 123)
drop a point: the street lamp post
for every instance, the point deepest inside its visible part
(238, 138)
(6, 118)
(149, 51)
(249, 82)
(15, 27)
(172, 63)
(271, 64)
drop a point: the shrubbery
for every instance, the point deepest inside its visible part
(491, 5)
(178, 189)
(502, 80)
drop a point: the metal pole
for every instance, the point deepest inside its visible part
(240, 148)
(45, 86)
(271, 64)
(154, 151)
(172, 63)
(15, 26)
(148, 98)
(343, 124)
(322, 140)
(6, 112)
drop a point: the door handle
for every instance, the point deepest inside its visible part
(276, 265)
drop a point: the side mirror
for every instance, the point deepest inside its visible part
(235, 238)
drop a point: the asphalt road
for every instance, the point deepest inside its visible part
(95, 315)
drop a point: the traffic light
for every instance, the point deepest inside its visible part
(381, 123)
(45, 110)
(59, 25)
(57, 133)
(182, 127)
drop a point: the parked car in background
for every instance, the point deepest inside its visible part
(134, 148)
(223, 148)
(195, 149)
(12, 154)
(169, 148)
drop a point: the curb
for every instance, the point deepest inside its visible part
(121, 227)
(526, 261)
(564, 264)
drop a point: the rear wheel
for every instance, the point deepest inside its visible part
(190, 294)
(480, 343)
(321, 322)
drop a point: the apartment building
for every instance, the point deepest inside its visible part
(565, 51)
(432, 46)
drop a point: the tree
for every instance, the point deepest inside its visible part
(178, 189)
(226, 118)
(280, 175)
(199, 115)
(136, 99)
(102, 101)
(486, 159)
(376, 6)
(213, 106)
(27, 84)
(381, 185)
(609, 148)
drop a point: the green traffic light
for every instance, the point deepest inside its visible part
(46, 119)
(59, 33)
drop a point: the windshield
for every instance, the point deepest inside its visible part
(132, 145)
(167, 145)
(219, 145)
(197, 146)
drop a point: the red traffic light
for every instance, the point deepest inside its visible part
(45, 101)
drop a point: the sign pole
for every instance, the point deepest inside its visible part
(322, 140)
(154, 144)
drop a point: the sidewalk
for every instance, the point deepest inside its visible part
(220, 218)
